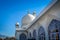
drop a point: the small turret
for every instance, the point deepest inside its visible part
(17, 24)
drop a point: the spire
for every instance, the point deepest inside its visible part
(34, 13)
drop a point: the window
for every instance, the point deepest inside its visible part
(34, 34)
(54, 30)
(41, 33)
(30, 34)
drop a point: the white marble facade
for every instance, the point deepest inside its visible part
(45, 26)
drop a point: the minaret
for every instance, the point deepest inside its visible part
(17, 24)
(34, 13)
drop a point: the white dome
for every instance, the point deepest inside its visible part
(27, 19)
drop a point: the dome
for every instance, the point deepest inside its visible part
(27, 19)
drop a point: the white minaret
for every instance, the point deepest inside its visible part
(17, 27)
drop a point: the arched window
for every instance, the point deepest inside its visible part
(30, 34)
(54, 30)
(23, 37)
(41, 33)
(34, 34)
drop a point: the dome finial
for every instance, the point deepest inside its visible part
(34, 13)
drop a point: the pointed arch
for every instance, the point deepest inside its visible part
(41, 33)
(23, 37)
(30, 34)
(34, 34)
(54, 30)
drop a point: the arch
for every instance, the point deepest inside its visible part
(23, 36)
(54, 30)
(30, 34)
(34, 34)
(41, 33)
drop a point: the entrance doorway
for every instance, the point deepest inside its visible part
(23, 37)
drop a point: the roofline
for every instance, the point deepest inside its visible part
(43, 12)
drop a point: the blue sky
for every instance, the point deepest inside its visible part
(12, 11)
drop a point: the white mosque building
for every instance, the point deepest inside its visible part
(45, 26)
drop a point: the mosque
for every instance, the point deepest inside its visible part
(45, 26)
